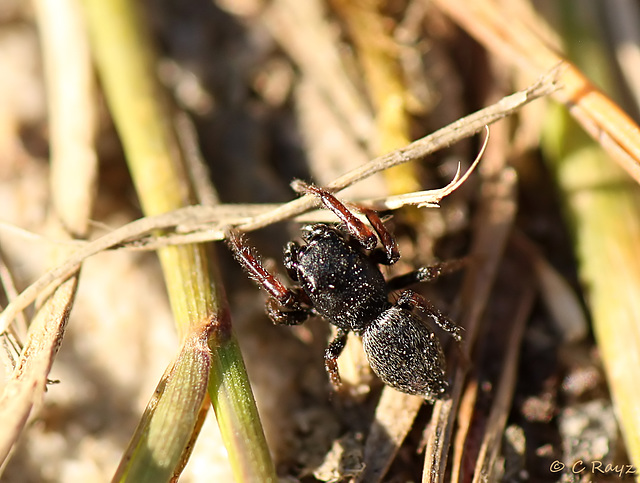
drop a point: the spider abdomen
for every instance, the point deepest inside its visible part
(405, 354)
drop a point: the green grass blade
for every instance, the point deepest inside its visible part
(158, 450)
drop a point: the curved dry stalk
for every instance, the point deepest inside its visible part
(518, 315)
(431, 198)
(200, 223)
(419, 149)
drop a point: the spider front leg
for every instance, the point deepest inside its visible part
(410, 300)
(390, 253)
(251, 263)
(354, 225)
(282, 316)
(290, 257)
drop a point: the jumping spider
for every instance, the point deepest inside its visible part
(337, 276)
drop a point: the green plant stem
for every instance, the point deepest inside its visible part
(127, 69)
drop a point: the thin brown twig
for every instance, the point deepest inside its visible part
(202, 223)
(505, 389)
(488, 245)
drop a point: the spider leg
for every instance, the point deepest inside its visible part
(282, 316)
(353, 224)
(425, 274)
(290, 256)
(390, 253)
(355, 227)
(410, 300)
(251, 263)
(331, 354)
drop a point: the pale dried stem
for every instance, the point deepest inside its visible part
(73, 173)
(495, 219)
(444, 137)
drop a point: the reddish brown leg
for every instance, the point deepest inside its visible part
(354, 226)
(286, 317)
(386, 238)
(253, 266)
(410, 300)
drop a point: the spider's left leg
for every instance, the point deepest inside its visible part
(281, 316)
(352, 223)
(251, 263)
(410, 300)
(426, 274)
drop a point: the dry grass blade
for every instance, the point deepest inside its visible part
(19, 328)
(622, 24)
(303, 31)
(466, 408)
(378, 56)
(603, 205)
(559, 298)
(495, 220)
(395, 414)
(29, 380)
(519, 42)
(520, 292)
(431, 198)
(73, 174)
(605, 208)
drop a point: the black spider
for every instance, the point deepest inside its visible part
(338, 277)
